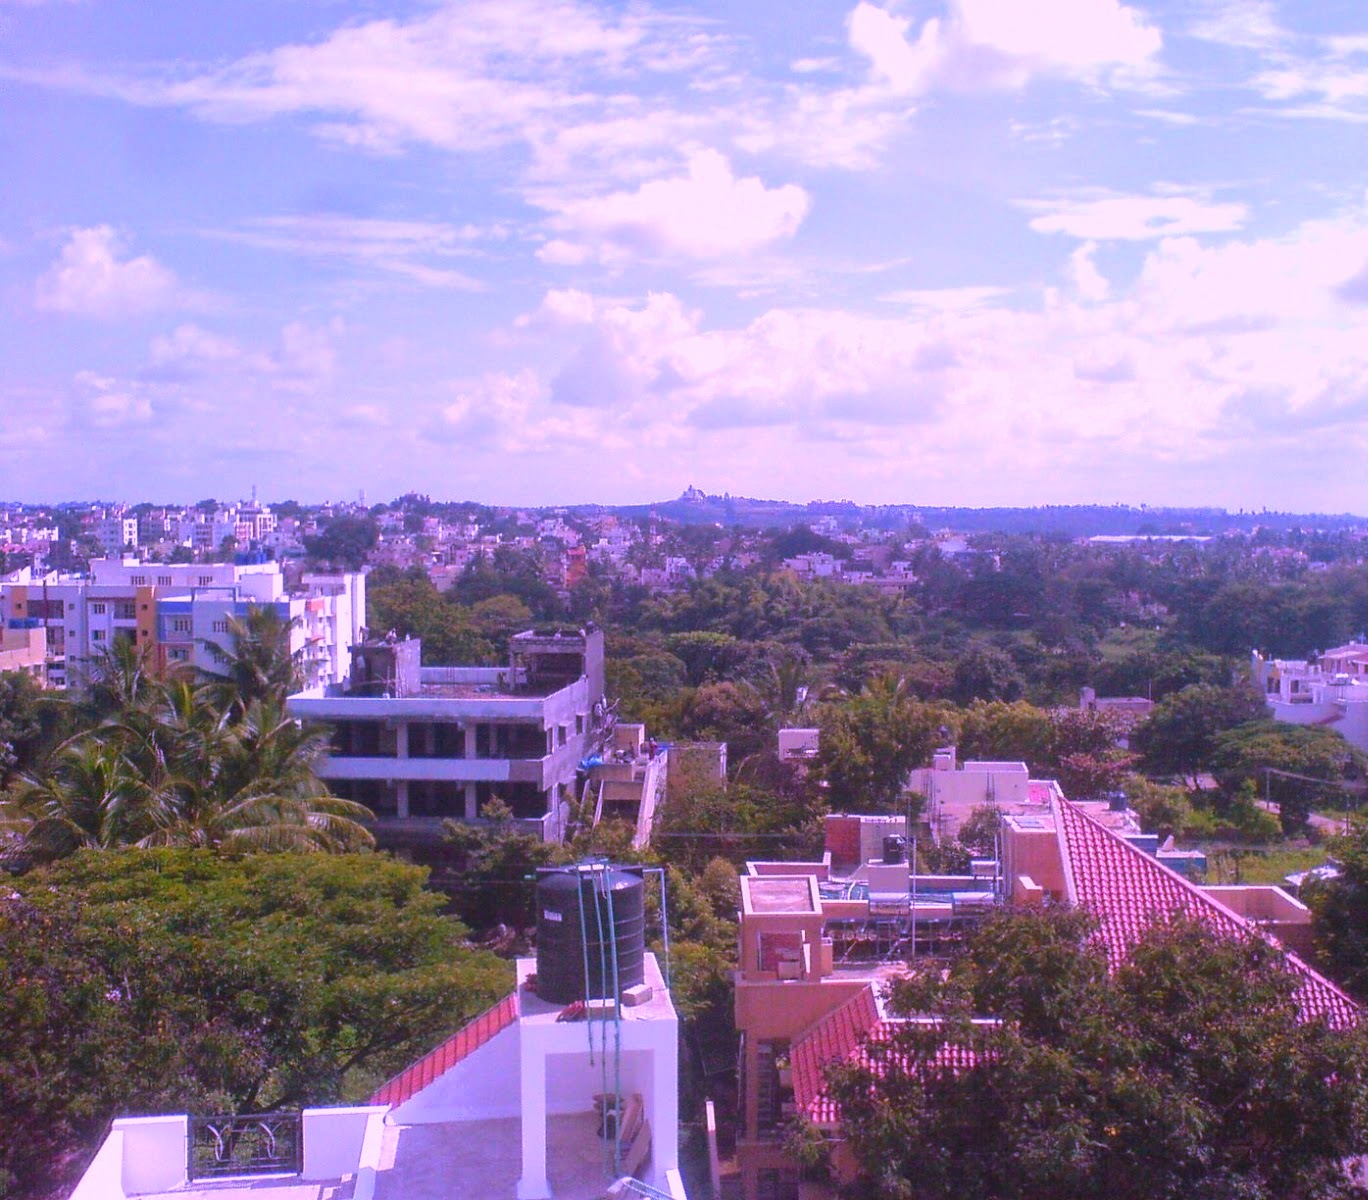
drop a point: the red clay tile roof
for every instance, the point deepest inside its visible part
(835, 1038)
(846, 1034)
(412, 1080)
(1127, 890)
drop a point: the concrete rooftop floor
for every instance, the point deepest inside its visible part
(482, 1160)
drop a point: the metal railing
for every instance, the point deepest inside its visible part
(246, 1144)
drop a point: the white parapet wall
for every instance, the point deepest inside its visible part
(334, 1139)
(103, 1179)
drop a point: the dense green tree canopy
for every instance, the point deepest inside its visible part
(174, 980)
(870, 742)
(1186, 1072)
(1179, 735)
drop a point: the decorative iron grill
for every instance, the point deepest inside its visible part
(246, 1144)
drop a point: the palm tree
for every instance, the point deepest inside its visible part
(90, 799)
(119, 677)
(178, 771)
(258, 664)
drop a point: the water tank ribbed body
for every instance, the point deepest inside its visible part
(614, 915)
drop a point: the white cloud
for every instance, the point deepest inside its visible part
(1220, 354)
(1246, 24)
(91, 278)
(1087, 280)
(1100, 216)
(111, 403)
(984, 44)
(414, 250)
(705, 214)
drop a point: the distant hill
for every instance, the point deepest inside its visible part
(1079, 520)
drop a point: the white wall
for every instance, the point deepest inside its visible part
(103, 1179)
(572, 1081)
(333, 1139)
(483, 1085)
(154, 1152)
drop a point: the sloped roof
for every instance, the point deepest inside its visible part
(1127, 891)
(837, 1037)
(851, 1033)
(413, 1079)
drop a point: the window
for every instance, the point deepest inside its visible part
(98, 609)
(178, 655)
(180, 624)
(205, 580)
(221, 626)
(139, 581)
(97, 635)
(163, 580)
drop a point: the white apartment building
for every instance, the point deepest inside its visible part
(115, 534)
(420, 744)
(172, 609)
(1332, 690)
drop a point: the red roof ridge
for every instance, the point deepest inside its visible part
(1126, 888)
(469, 1038)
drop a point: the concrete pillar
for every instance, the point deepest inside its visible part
(472, 802)
(533, 1185)
(470, 741)
(401, 740)
(401, 797)
(665, 1120)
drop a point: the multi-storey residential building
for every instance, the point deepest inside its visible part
(181, 611)
(24, 650)
(419, 744)
(115, 534)
(1331, 690)
(818, 946)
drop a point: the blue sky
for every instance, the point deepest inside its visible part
(541, 251)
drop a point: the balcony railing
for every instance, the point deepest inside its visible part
(261, 1144)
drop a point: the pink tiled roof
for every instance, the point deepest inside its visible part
(1124, 888)
(835, 1038)
(412, 1080)
(846, 1034)
(1127, 891)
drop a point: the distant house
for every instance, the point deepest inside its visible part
(1330, 689)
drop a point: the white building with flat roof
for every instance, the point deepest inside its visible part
(176, 610)
(1330, 690)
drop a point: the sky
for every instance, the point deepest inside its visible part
(977, 252)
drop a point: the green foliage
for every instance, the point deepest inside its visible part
(413, 607)
(1341, 911)
(1179, 735)
(344, 541)
(984, 672)
(1185, 1072)
(183, 765)
(739, 824)
(498, 864)
(32, 722)
(258, 665)
(1240, 756)
(869, 743)
(175, 980)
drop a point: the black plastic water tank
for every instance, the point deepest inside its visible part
(894, 848)
(564, 942)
